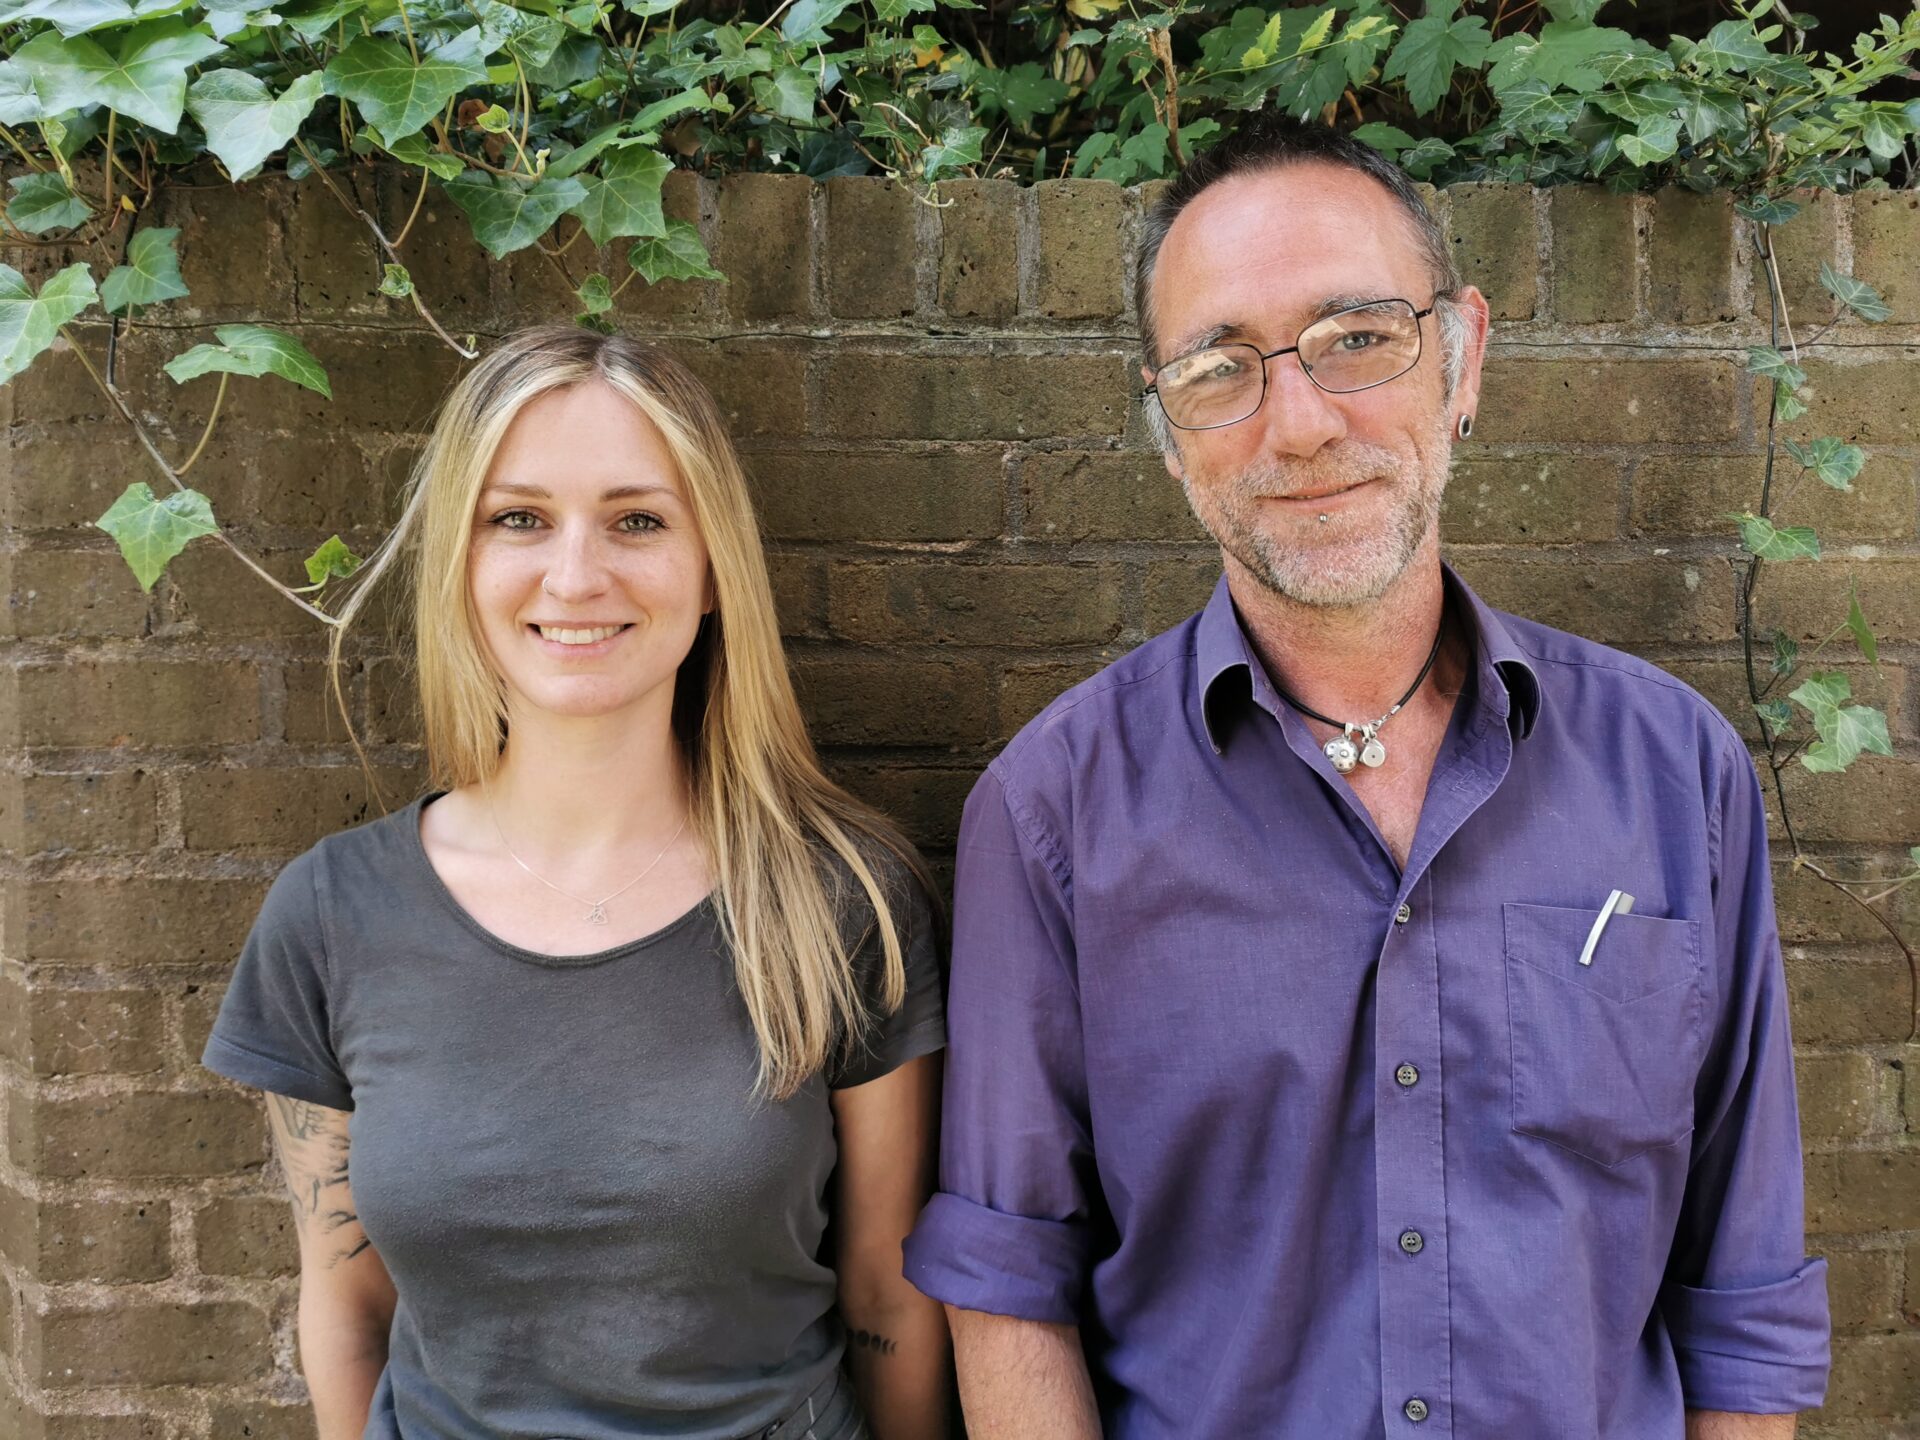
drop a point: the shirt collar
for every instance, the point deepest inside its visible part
(1228, 674)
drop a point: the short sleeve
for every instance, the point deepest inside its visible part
(919, 1026)
(273, 1029)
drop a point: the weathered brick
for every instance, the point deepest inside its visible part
(1176, 588)
(1876, 801)
(760, 385)
(1875, 1375)
(115, 1425)
(196, 1006)
(1622, 602)
(1691, 258)
(393, 701)
(1886, 237)
(1531, 499)
(1873, 402)
(1800, 247)
(799, 592)
(111, 812)
(336, 265)
(394, 380)
(246, 1235)
(1610, 402)
(142, 702)
(1863, 1288)
(1846, 1095)
(765, 245)
(285, 810)
(942, 494)
(860, 700)
(67, 476)
(924, 802)
(259, 1420)
(1808, 598)
(125, 923)
(320, 481)
(232, 248)
(1864, 1191)
(961, 396)
(92, 1032)
(681, 198)
(49, 593)
(1492, 231)
(453, 274)
(1811, 911)
(311, 714)
(56, 389)
(1026, 690)
(871, 255)
(979, 249)
(214, 593)
(1078, 273)
(1694, 495)
(1595, 267)
(1074, 495)
(541, 285)
(135, 1343)
(146, 1133)
(941, 604)
(109, 1241)
(1842, 1001)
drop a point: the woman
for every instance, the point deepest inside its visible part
(569, 1061)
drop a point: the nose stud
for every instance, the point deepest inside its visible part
(545, 589)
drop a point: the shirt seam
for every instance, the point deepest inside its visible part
(328, 1082)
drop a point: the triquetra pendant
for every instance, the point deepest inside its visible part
(597, 915)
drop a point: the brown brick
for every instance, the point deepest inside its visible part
(67, 477)
(979, 249)
(1079, 271)
(1072, 495)
(312, 715)
(1812, 911)
(336, 266)
(1691, 258)
(538, 288)
(1695, 494)
(943, 494)
(285, 810)
(924, 802)
(1531, 499)
(671, 300)
(1886, 237)
(196, 1006)
(453, 274)
(1491, 228)
(1863, 1288)
(47, 593)
(891, 701)
(215, 593)
(1623, 602)
(1799, 247)
(102, 1240)
(1875, 801)
(143, 702)
(318, 481)
(92, 1032)
(56, 389)
(394, 380)
(1847, 1001)
(125, 923)
(871, 255)
(233, 250)
(939, 604)
(148, 1133)
(1026, 690)
(111, 811)
(1808, 598)
(1178, 587)
(393, 701)
(258, 1420)
(760, 385)
(81, 1425)
(1876, 1375)
(246, 1235)
(148, 1344)
(1873, 402)
(921, 396)
(766, 245)
(1610, 402)
(1846, 1095)
(799, 592)
(1862, 1191)
(1595, 239)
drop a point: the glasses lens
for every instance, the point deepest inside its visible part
(1215, 386)
(1358, 348)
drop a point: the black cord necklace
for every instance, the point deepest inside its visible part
(1342, 749)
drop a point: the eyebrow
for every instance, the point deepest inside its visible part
(535, 492)
(1332, 304)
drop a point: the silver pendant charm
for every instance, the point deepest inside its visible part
(1342, 752)
(597, 915)
(1372, 753)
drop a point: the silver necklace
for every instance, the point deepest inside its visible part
(596, 910)
(1344, 750)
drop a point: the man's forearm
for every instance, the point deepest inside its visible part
(1021, 1379)
(1726, 1425)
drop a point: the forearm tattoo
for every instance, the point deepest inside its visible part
(869, 1340)
(313, 1152)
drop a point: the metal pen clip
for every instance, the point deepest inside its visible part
(1618, 903)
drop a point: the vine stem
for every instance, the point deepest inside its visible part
(219, 399)
(779, 10)
(106, 202)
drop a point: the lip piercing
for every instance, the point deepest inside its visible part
(1325, 518)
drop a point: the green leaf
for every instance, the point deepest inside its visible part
(1533, 108)
(1852, 731)
(1856, 295)
(19, 102)
(1786, 653)
(43, 202)
(1022, 92)
(396, 282)
(494, 120)
(1822, 694)
(1730, 45)
(331, 561)
(144, 77)
(1759, 536)
(1430, 50)
(1787, 406)
(151, 531)
(1389, 140)
(151, 274)
(1767, 209)
(245, 122)
(596, 295)
(1767, 361)
(1711, 112)
(624, 198)
(1833, 462)
(509, 215)
(1316, 33)
(29, 322)
(1654, 141)
(806, 23)
(252, 350)
(676, 255)
(1862, 632)
(414, 150)
(1777, 713)
(674, 106)
(789, 92)
(1562, 56)
(397, 95)
(957, 148)
(1882, 134)
(891, 11)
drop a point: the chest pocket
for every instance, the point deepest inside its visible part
(1604, 1055)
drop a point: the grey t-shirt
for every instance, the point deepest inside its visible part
(597, 1231)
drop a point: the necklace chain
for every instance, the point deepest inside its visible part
(596, 910)
(1341, 749)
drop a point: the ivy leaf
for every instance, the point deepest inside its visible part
(332, 560)
(1856, 295)
(1777, 713)
(1758, 536)
(957, 148)
(151, 274)
(806, 23)
(1833, 462)
(1787, 406)
(1421, 159)
(789, 92)
(1767, 361)
(414, 150)
(1389, 140)
(29, 322)
(509, 215)
(19, 102)
(1654, 141)
(245, 122)
(396, 282)
(1708, 112)
(596, 295)
(1430, 50)
(661, 111)
(1852, 731)
(145, 78)
(1730, 45)
(397, 95)
(1786, 653)
(1535, 109)
(1822, 694)
(43, 202)
(890, 11)
(252, 350)
(151, 531)
(1767, 209)
(1862, 632)
(1882, 134)
(1022, 92)
(676, 255)
(1562, 56)
(624, 198)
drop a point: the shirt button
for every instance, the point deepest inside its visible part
(1407, 1075)
(1403, 914)
(1411, 1242)
(1416, 1409)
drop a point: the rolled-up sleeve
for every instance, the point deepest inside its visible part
(1008, 1231)
(1745, 1307)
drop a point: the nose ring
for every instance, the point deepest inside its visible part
(545, 589)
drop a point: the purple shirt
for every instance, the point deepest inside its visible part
(1309, 1146)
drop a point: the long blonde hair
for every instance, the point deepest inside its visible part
(782, 840)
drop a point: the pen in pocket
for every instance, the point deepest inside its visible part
(1618, 903)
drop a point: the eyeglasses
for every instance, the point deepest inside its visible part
(1349, 350)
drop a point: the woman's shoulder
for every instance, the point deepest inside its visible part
(377, 846)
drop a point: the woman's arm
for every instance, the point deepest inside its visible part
(346, 1297)
(897, 1344)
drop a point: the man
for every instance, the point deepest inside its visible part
(1367, 1014)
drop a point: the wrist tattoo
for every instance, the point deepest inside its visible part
(870, 1340)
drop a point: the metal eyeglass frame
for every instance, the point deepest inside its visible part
(1153, 389)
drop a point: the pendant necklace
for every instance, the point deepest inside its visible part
(1359, 743)
(596, 910)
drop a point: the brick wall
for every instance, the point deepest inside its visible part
(964, 518)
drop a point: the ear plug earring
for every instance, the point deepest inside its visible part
(1465, 427)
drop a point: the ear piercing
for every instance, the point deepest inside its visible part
(1465, 427)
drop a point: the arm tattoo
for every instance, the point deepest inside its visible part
(870, 1340)
(313, 1153)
